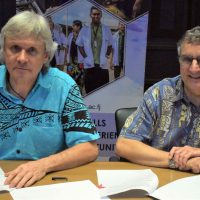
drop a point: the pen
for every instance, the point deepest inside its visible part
(57, 178)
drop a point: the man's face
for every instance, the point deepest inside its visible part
(24, 57)
(190, 69)
(75, 28)
(121, 27)
(96, 16)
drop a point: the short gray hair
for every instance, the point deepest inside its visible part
(191, 36)
(25, 24)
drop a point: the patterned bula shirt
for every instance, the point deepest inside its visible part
(52, 118)
(165, 118)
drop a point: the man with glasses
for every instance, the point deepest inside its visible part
(95, 45)
(165, 129)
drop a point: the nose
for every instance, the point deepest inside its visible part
(22, 56)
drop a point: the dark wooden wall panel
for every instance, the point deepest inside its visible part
(7, 10)
(168, 20)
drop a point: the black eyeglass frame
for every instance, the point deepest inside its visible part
(187, 60)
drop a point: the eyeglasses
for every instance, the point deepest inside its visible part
(186, 61)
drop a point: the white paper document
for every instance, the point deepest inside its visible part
(113, 182)
(78, 190)
(2, 179)
(181, 189)
(116, 181)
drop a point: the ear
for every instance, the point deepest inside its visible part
(46, 57)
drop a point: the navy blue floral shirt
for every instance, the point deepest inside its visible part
(165, 118)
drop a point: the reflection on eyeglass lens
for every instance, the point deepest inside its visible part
(187, 60)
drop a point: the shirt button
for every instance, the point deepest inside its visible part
(20, 129)
(17, 151)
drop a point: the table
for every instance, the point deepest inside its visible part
(88, 171)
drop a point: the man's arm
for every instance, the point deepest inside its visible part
(109, 50)
(140, 153)
(30, 172)
(82, 51)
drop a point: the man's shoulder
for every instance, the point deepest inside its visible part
(70, 35)
(2, 74)
(86, 27)
(167, 88)
(2, 68)
(57, 77)
(106, 27)
(168, 82)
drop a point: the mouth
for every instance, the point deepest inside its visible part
(21, 68)
(194, 77)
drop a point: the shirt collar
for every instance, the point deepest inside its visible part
(43, 80)
(179, 90)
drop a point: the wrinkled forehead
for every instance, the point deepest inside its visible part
(25, 36)
(190, 48)
(26, 41)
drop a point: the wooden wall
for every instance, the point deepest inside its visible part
(169, 19)
(7, 10)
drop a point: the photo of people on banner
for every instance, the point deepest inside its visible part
(90, 53)
(90, 42)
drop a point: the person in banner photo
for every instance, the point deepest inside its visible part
(74, 58)
(95, 45)
(117, 58)
(41, 106)
(60, 38)
(126, 9)
(165, 129)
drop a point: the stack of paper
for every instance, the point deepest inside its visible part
(2, 179)
(61, 191)
(117, 181)
(182, 189)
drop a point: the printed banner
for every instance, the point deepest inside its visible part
(107, 61)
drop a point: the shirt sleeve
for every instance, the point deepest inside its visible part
(110, 37)
(141, 124)
(79, 40)
(77, 123)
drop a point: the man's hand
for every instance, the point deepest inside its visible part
(181, 155)
(194, 165)
(25, 174)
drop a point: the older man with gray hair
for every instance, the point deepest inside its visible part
(43, 117)
(165, 129)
